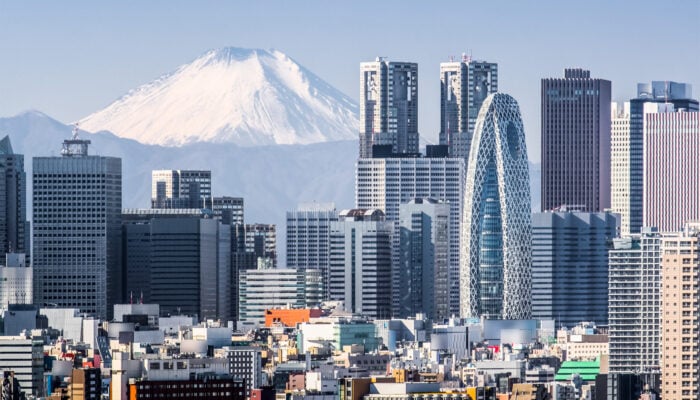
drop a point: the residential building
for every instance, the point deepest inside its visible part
(245, 364)
(464, 85)
(181, 189)
(680, 340)
(14, 227)
(360, 262)
(77, 202)
(308, 232)
(495, 256)
(424, 259)
(671, 166)
(576, 141)
(263, 289)
(387, 183)
(388, 107)
(634, 304)
(570, 265)
(627, 144)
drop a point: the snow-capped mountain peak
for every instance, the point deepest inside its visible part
(248, 97)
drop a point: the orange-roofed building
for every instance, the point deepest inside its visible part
(290, 317)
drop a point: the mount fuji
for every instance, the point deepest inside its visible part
(246, 97)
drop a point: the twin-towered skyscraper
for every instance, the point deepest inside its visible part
(481, 135)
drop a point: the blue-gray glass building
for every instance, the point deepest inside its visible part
(570, 265)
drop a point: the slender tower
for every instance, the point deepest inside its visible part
(495, 259)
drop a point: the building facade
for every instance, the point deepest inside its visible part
(495, 242)
(576, 141)
(77, 202)
(634, 303)
(671, 166)
(261, 239)
(424, 226)
(308, 232)
(360, 262)
(388, 106)
(387, 183)
(464, 86)
(263, 289)
(24, 357)
(181, 189)
(570, 266)
(627, 144)
(680, 341)
(14, 227)
(229, 210)
(16, 281)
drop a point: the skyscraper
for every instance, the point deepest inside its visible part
(671, 166)
(634, 303)
(179, 259)
(14, 227)
(576, 141)
(424, 259)
(680, 340)
(388, 107)
(261, 239)
(464, 86)
(77, 202)
(181, 189)
(229, 210)
(308, 230)
(495, 250)
(360, 262)
(627, 139)
(386, 183)
(570, 266)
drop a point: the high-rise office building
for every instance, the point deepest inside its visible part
(634, 303)
(388, 107)
(261, 239)
(464, 86)
(181, 189)
(179, 259)
(265, 288)
(360, 262)
(424, 259)
(77, 202)
(570, 266)
(576, 141)
(495, 249)
(680, 340)
(386, 183)
(308, 229)
(627, 147)
(14, 227)
(22, 357)
(671, 166)
(229, 210)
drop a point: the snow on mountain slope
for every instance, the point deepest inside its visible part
(249, 97)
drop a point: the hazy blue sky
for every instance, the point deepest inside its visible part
(69, 59)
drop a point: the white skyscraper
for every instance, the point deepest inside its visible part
(386, 183)
(16, 281)
(464, 86)
(77, 201)
(388, 106)
(495, 273)
(360, 262)
(308, 229)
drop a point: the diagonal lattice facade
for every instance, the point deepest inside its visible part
(495, 261)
